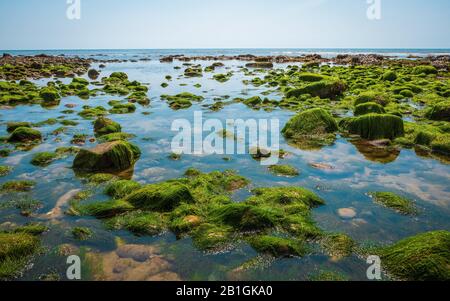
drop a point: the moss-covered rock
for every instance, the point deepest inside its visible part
(123, 108)
(425, 257)
(389, 76)
(441, 144)
(50, 96)
(394, 202)
(12, 126)
(374, 126)
(439, 111)
(311, 129)
(182, 100)
(368, 108)
(25, 135)
(284, 170)
(211, 236)
(323, 89)
(162, 197)
(425, 70)
(105, 126)
(43, 159)
(111, 156)
(380, 98)
(139, 223)
(277, 246)
(115, 137)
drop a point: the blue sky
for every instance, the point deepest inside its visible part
(42, 24)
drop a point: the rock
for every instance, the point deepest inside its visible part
(347, 213)
(105, 126)
(111, 156)
(93, 74)
(25, 135)
(331, 88)
(375, 126)
(323, 166)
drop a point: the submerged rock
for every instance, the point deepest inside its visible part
(25, 135)
(110, 156)
(394, 202)
(105, 126)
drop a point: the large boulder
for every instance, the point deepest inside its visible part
(375, 126)
(111, 156)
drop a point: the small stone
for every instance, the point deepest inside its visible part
(347, 213)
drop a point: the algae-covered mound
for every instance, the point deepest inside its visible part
(105, 126)
(311, 128)
(395, 202)
(43, 159)
(284, 170)
(200, 206)
(12, 126)
(162, 197)
(441, 144)
(368, 108)
(439, 111)
(15, 250)
(110, 156)
(181, 101)
(425, 257)
(277, 246)
(25, 135)
(374, 126)
(323, 89)
(425, 69)
(380, 98)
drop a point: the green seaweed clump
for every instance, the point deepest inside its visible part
(15, 250)
(122, 188)
(161, 197)
(43, 159)
(17, 186)
(277, 246)
(12, 126)
(110, 156)
(380, 98)
(338, 246)
(82, 233)
(5, 170)
(374, 126)
(122, 108)
(395, 202)
(369, 108)
(425, 257)
(25, 135)
(182, 100)
(284, 170)
(311, 129)
(324, 89)
(439, 111)
(441, 144)
(389, 76)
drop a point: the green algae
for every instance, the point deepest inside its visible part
(277, 246)
(17, 186)
(374, 126)
(425, 257)
(25, 135)
(394, 202)
(115, 137)
(338, 246)
(82, 233)
(368, 108)
(111, 156)
(122, 188)
(284, 170)
(105, 126)
(43, 159)
(15, 250)
(5, 170)
(311, 129)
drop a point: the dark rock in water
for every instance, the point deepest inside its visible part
(262, 65)
(7, 55)
(93, 74)
(112, 156)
